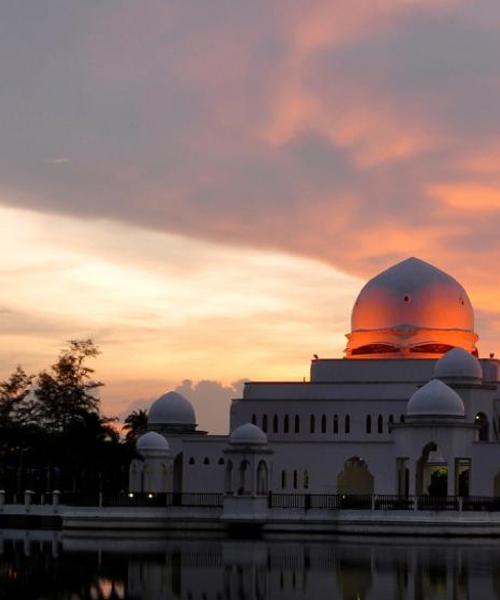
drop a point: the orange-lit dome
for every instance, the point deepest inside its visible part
(411, 310)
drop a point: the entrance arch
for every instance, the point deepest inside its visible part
(355, 478)
(432, 472)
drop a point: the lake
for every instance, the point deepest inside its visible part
(73, 566)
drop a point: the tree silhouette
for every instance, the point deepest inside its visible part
(135, 425)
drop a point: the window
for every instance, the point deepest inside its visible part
(286, 424)
(312, 427)
(275, 424)
(347, 424)
(335, 424)
(206, 460)
(191, 461)
(306, 479)
(295, 482)
(254, 419)
(380, 424)
(283, 480)
(402, 419)
(390, 422)
(323, 424)
(297, 424)
(264, 423)
(221, 461)
(369, 424)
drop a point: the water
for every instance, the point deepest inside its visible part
(64, 566)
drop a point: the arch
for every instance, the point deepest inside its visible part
(283, 479)
(163, 477)
(206, 460)
(178, 470)
(347, 424)
(275, 424)
(295, 480)
(146, 479)
(335, 423)
(228, 477)
(481, 420)
(380, 424)
(264, 423)
(312, 424)
(254, 419)
(191, 460)
(432, 472)
(220, 461)
(368, 424)
(243, 477)
(297, 424)
(262, 478)
(402, 419)
(390, 423)
(286, 424)
(306, 479)
(355, 478)
(323, 424)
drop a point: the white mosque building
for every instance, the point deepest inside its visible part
(410, 410)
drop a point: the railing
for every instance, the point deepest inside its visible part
(382, 502)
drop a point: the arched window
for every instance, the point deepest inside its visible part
(295, 482)
(275, 424)
(312, 424)
(264, 423)
(347, 424)
(262, 478)
(229, 477)
(306, 479)
(390, 422)
(206, 460)
(369, 424)
(221, 461)
(335, 423)
(380, 424)
(283, 480)
(323, 424)
(243, 471)
(254, 419)
(286, 424)
(191, 461)
(402, 419)
(297, 424)
(481, 421)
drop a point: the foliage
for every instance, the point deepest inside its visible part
(52, 434)
(135, 425)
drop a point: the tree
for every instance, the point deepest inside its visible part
(67, 391)
(14, 393)
(135, 424)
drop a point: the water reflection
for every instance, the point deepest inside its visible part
(73, 566)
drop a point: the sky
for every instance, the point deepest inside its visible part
(203, 187)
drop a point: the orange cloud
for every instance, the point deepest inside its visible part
(467, 196)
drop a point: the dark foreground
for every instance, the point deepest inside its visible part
(63, 566)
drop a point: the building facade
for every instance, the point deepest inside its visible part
(409, 410)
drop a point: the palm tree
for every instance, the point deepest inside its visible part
(135, 424)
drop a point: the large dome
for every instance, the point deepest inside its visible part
(414, 309)
(172, 409)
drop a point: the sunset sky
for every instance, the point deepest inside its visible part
(202, 187)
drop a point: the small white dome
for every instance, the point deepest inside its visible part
(172, 409)
(248, 435)
(435, 399)
(151, 441)
(458, 365)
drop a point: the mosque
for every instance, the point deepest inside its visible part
(409, 410)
